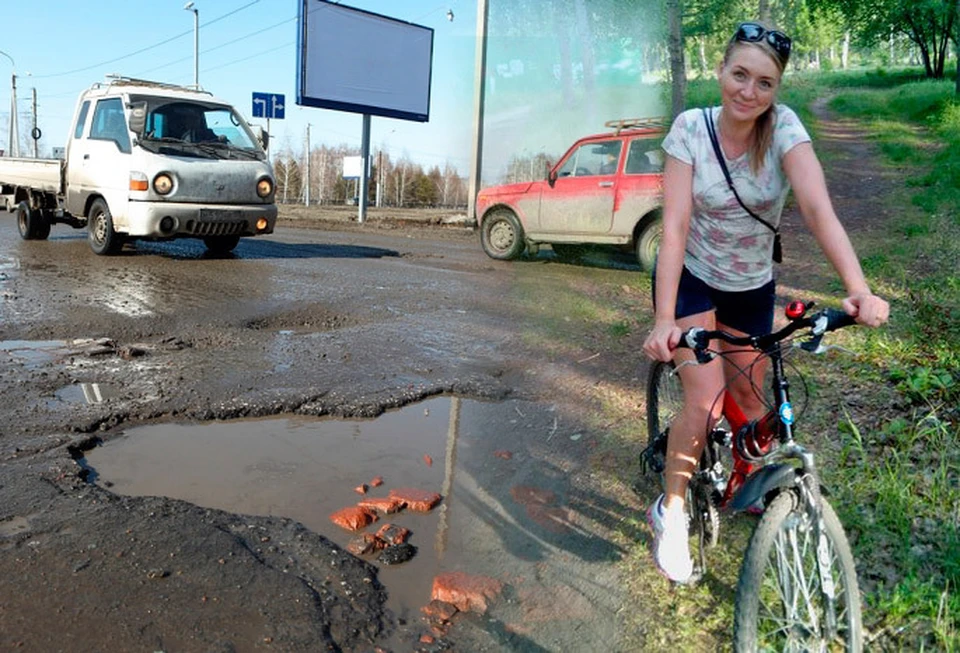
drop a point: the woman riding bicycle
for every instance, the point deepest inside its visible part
(715, 265)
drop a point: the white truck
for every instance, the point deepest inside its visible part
(147, 160)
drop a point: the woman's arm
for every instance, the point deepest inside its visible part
(677, 207)
(810, 188)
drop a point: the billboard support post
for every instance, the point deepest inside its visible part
(364, 168)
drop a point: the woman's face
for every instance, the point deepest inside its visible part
(748, 82)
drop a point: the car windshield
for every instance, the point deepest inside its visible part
(196, 129)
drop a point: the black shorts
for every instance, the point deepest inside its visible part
(749, 311)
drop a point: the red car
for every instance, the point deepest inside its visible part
(607, 189)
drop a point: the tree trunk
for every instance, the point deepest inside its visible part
(678, 71)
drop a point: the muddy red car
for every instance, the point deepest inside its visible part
(607, 189)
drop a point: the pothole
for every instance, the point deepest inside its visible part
(86, 393)
(306, 469)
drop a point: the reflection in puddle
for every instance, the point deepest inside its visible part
(86, 393)
(33, 352)
(306, 469)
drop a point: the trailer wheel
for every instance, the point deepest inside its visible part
(32, 223)
(102, 237)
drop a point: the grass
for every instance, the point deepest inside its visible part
(889, 414)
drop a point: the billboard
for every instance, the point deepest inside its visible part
(357, 61)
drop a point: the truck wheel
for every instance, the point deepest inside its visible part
(502, 236)
(32, 223)
(103, 239)
(220, 245)
(648, 243)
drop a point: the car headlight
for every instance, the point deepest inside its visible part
(265, 187)
(163, 183)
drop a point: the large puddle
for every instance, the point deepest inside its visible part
(306, 469)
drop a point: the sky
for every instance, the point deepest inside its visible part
(538, 100)
(246, 46)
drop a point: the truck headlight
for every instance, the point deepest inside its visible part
(265, 187)
(163, 183)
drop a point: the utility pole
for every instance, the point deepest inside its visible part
(379, 178)
(479, 91)
(35, 133)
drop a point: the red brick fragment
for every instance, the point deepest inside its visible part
(361, 489)
(427, 459)
(386, 505)
(503, 453)
(377, 481)
(417, 500)
(427, 639)
(466, 592)
(526, 495)
(354, 518)
(366, 544)
(393, 534)
(439, 611)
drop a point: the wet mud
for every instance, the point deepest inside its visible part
(177, 431)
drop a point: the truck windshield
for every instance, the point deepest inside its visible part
(196, 129)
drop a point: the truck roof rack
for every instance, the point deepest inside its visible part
(122, 80)
(638, 123)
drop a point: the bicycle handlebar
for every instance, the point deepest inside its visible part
(819, 323)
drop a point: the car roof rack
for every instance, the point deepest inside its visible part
(123, 80)
(657, 122)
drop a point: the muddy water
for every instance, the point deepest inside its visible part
(305, 469)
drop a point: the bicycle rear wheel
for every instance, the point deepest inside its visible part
(785, 601)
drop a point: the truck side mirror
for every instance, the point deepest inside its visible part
(261, 135)
(552, 177)
(138, 117)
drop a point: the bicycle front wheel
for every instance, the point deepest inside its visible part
(797, 591)
(664, 398)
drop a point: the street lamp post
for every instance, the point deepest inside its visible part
(13, 145)
(196, 42)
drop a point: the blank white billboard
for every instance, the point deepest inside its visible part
(353, 60)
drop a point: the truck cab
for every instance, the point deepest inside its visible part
(147, 160)
(607, 189)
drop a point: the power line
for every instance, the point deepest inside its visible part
(148, 48)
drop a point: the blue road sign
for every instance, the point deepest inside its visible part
(268, 105)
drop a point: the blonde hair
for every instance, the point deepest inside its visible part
(763, 127)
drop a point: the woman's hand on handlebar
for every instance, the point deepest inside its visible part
(867, 308)
(662, 341)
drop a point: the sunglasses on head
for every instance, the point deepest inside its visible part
(754, 33)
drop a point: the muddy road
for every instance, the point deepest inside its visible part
(176, 430)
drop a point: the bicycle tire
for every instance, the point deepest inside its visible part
(779, 603)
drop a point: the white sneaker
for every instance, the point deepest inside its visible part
(671, 542)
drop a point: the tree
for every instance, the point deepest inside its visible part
(928, 24)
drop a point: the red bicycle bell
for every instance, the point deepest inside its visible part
(795, 310)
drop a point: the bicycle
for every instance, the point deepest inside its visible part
(797, 589)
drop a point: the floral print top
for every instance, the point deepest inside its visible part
(726, 247)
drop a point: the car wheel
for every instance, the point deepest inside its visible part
(101, 235)
(502, 236)
(648, 243)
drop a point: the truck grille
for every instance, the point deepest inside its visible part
(215, 227)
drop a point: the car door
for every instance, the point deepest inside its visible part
(99, 164)
(581, 199)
